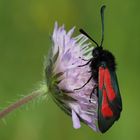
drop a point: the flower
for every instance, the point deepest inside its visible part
(64, 76)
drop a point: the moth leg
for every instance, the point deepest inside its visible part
(84, 84)
(95, 90)
(83, 59)
(85, 64)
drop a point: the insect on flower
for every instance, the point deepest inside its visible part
(103, 67)
(82, 80)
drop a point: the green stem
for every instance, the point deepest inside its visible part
(21, 102)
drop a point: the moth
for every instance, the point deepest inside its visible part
(103, 72)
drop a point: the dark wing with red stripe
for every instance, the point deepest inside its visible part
(109, 99)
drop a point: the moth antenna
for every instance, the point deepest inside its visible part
(84, 33)
(102, 22)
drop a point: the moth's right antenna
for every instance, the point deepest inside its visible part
(102, 20)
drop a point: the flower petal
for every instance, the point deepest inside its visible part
(75, 120)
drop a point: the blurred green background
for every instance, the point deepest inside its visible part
(25, 26)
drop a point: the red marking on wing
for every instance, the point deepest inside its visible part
(108, 85)
(106, 110)
(101, 77)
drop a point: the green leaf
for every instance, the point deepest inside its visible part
(56, 76)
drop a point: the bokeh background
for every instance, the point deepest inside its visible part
(25, 27)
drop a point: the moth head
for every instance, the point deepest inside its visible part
(97, 52)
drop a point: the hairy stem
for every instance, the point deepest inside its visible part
(20, 102)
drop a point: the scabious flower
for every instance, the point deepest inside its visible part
(64, 76)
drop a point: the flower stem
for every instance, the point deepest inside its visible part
(21, 102)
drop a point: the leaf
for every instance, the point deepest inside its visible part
(56, 76)
(48, 72)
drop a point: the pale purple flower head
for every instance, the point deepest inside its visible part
(64, 75)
